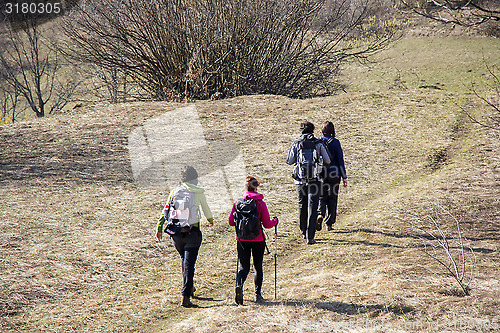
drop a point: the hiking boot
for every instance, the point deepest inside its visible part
(330, 227)
(319, 223)
(186, 302)
(311, 241)
(239, 296)
(259, 298)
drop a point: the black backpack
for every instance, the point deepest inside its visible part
(246, 219)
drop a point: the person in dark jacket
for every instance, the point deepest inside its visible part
(308, 190)
(327, 210)
(253, 247)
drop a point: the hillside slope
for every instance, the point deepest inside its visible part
(77, 234)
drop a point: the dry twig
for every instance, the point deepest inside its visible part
(449, 250)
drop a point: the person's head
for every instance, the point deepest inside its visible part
(251, 184)
(307, 127)
(328, 129)
(189, 175)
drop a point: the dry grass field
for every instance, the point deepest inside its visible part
(78, 252)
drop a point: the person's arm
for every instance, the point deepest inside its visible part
(161, 221)
(339, 155)
(206, 210)
(291, 157)
(159, 229)
(231, 216)
(266, 221)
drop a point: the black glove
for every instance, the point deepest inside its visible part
(277, 221)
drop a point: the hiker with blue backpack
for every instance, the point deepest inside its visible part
(249, 216)
(331, 182)
(182, 215)
(309, 155)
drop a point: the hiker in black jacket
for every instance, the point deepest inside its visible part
(308, 155)
(331, 183)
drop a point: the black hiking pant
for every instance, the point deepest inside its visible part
(188, 244)
(308, 195)
(245, 251)
(329, 198)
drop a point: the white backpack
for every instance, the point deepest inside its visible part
(182, 209)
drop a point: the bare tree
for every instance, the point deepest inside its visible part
(29, 67)
(199, 48)
(461, 12)
(445, 247)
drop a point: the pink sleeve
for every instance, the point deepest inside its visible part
(231, 217)
(264, 215)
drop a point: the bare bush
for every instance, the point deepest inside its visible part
(195, 49)
(445, 247)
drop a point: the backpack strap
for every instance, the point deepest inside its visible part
(327, 144)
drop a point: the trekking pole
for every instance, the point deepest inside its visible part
(275, 263)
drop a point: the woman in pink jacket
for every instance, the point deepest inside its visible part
(251, 247)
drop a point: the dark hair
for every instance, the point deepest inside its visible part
(251, 183)
(307, 127)
(188, 174)
(328, 129)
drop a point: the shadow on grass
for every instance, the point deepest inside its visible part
(414, 236)
(342, 307)
(399, 236)
(208, 299)
(41, 152)
(216, 302)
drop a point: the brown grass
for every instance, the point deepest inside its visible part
(78, 252)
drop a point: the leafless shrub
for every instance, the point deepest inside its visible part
(445, 247)
(198, 48)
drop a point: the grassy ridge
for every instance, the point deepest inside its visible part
(448, 64)
(78, 252)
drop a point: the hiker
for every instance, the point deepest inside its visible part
(331, 182)
(182, 215)
(308, 154)
(250, 241)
